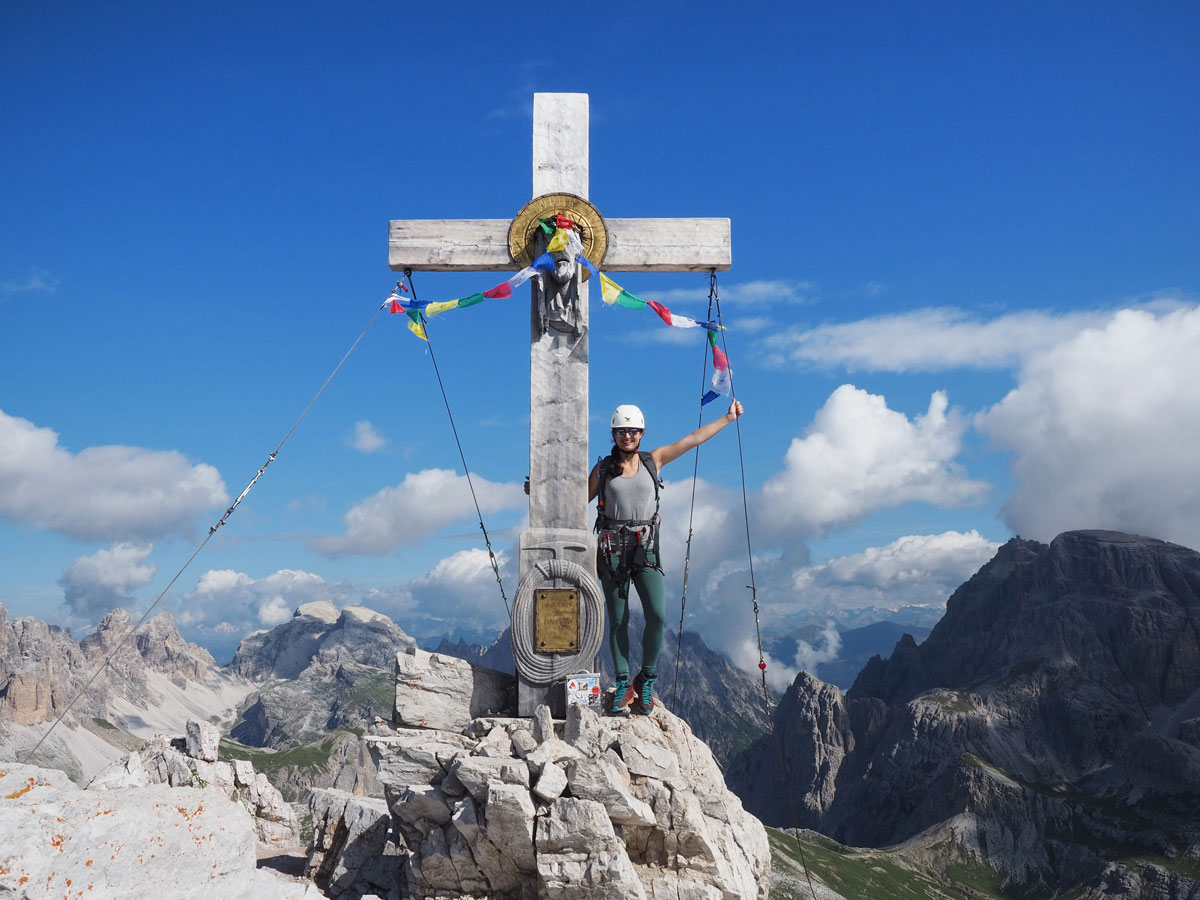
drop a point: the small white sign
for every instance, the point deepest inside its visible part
(584, 689)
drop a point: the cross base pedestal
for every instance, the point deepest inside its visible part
(554, 559)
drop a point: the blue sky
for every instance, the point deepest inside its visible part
(963, 302)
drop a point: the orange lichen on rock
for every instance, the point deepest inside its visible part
(24, 790)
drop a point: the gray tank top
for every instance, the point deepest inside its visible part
(630, 498)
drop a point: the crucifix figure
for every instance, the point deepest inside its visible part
(558, 612)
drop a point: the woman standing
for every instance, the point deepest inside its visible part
(627, 482)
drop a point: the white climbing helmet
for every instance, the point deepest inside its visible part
(628, 416)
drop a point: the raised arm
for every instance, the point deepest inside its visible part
(664, 455)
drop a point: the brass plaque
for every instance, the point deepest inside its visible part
(556, 620)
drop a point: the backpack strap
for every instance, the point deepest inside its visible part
(604, 473)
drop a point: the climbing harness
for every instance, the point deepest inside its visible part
(624, 544)
(470, 483)
(211, 531)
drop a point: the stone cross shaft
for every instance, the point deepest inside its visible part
(558, 460)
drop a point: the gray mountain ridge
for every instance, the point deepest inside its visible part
(1048, 727)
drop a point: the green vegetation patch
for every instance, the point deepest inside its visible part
(858, 873)
(104, 723)
(307, 756)
(855, 873)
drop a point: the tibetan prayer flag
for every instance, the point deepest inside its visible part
(558, 242)
(434, 308)
(614, 293)
(502, 290)
(415, 325)
(395, 306)
(521, 277)
(722, 377)
(663, 312)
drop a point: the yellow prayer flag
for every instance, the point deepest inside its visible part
(418, 329)
(441, 306)
(558, 242)
(609, 289)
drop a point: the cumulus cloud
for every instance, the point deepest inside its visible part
(96, 584)
(226, 605)
(101, 492)
(419, 506)
(1104, 428)
(366, 439)
(810, 655)
(914, 570)
(859, 456)
(464, 585)
(928, 340)
(229, 595)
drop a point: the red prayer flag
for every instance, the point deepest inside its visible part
(503, 289)
(663, 312)
(563, 222)
(395, 307)
(720, 360)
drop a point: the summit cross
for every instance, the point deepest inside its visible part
(558, 407)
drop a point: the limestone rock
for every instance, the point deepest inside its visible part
(160, 763)
(444, 692)
(602, 781)
(551, 783)
(140, 843)
(356, 633)
(580, 857)
(203, 740)
(592, 825)
(351, 850)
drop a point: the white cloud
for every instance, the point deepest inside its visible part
(913, 570)
(465, 583)
(96, 584)
(1104, 429)
(859, 456)
(810, 656)
(39, 281)
(230, 597)
(415, 509)
(101, 492)
(747, 293)
(928, 340)
(366, 439)
(226, 605)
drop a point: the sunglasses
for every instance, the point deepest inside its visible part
(632, 432)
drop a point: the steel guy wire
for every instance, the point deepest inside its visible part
(211, 531)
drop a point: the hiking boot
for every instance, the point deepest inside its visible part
(643, 691)
(622, 695)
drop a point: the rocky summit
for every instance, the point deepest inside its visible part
(1048, 728)
(516, 809)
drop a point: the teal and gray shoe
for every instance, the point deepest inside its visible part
(623, 695)
(643, 690)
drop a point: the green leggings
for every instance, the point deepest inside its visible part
(651, 587)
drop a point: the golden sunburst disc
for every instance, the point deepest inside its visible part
(592, 231)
